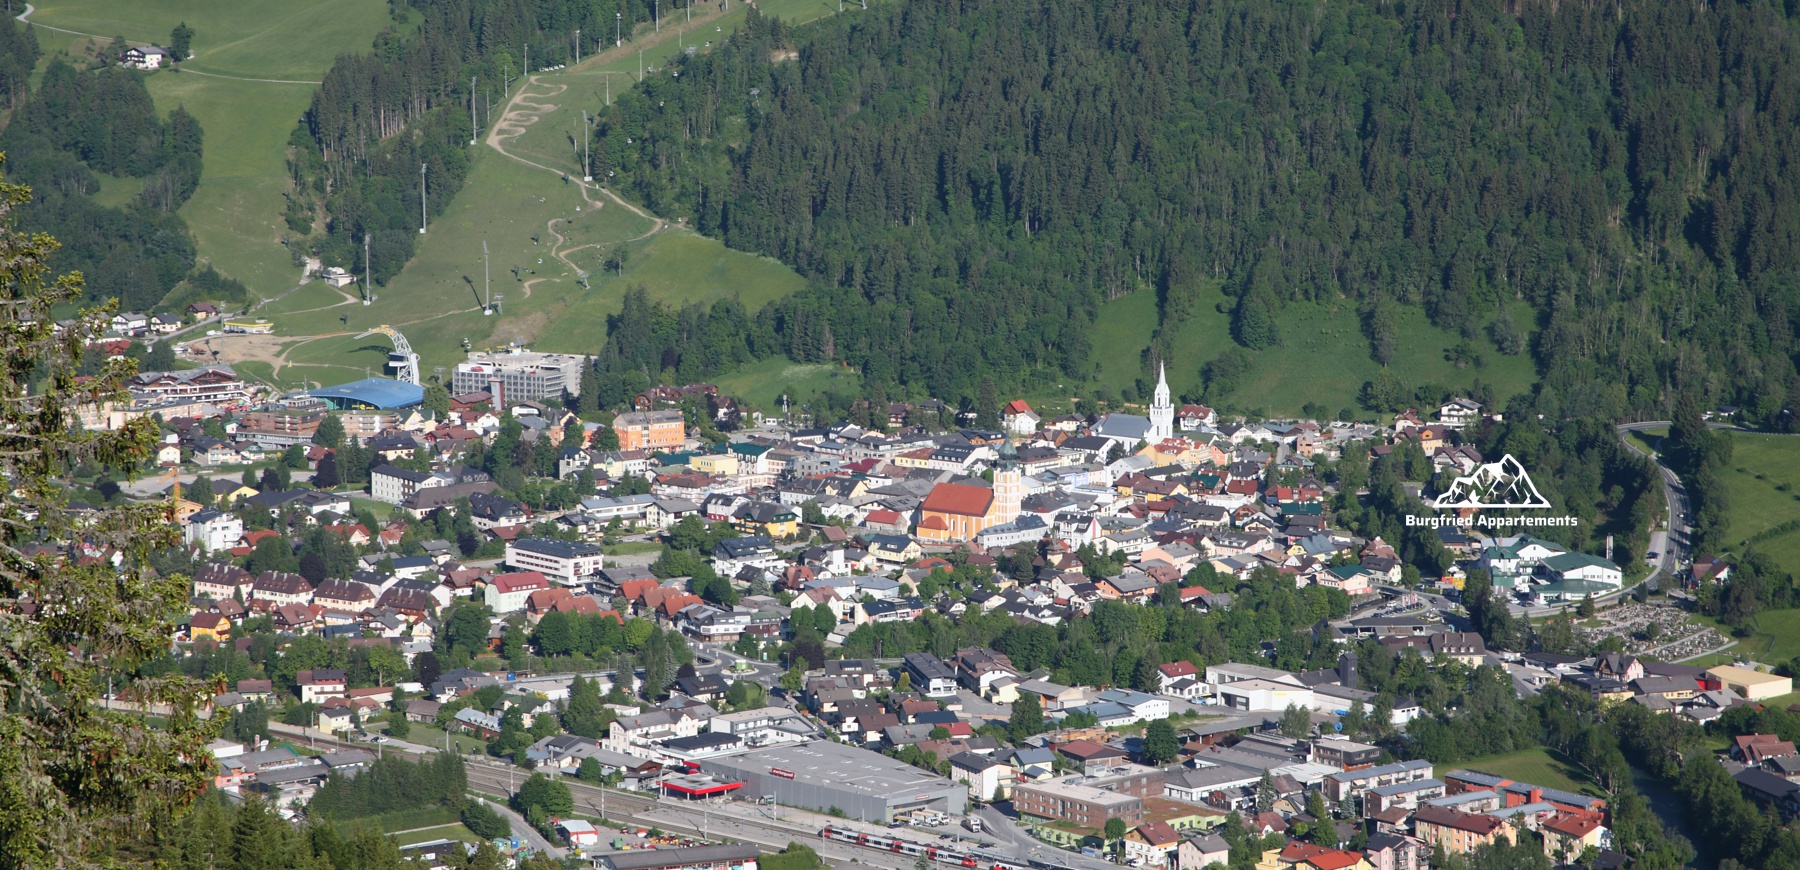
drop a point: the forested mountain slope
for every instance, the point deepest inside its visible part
(379, 115)
(969, 181)
(78, 125)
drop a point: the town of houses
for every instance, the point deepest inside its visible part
(1161, 495)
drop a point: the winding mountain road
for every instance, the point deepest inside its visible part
(1672, 541)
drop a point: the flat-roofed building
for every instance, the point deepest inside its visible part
(731, 856)
(1339, 786)
(1076, 804)
(650, 430)
(822, 774)
(521, 374)
(1753, 685)
(565, 562)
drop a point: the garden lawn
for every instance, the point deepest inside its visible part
(1323, 356)
(1539, 766)
(763, 383)
(1774, 638)
(1763, 478)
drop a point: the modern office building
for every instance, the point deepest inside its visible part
(565, 562)
(521, 374)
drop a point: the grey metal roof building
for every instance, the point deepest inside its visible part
(822, 774)
(730, 854)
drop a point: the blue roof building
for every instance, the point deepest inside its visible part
(378, 393)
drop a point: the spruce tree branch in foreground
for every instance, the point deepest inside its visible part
(76, 779)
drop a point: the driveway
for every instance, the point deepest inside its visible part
(522, 829)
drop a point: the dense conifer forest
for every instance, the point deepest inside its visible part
(967, 183)
(380, 114)
(78, 125)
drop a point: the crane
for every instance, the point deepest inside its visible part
(404, 361)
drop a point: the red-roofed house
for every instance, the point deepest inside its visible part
(1017, 418)
(634, 590)
(543, 601)
(1152, 844)
(1174, 672)
(1567, 836)
(1753, 749)
(507, 592)
(354, 534)
(580, 605)
(885, 521)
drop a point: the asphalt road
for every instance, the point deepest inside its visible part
(1672, 541)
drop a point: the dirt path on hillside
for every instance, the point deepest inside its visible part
(526, 108)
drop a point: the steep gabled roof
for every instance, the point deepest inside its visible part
(959, 499)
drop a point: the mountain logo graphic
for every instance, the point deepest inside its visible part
(1502, 484)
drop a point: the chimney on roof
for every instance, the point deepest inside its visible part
(1537, 795)
(1346, 670)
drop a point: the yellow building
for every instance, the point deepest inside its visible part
(209, 626)
(1753, 685)
(775, 520)
(715, 463)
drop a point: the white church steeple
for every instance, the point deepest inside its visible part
(1162, 411)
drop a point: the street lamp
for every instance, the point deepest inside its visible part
(422, 168)
(618, 25)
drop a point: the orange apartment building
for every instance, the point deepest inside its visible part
(650, 430)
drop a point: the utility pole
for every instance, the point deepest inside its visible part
(368, 274)
(658, 16)
(471, 110)
(422, 221)
(587, 136)
(527, 70)
(578, 45)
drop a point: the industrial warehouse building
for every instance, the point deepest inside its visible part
(822, 774)
(731, 856)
